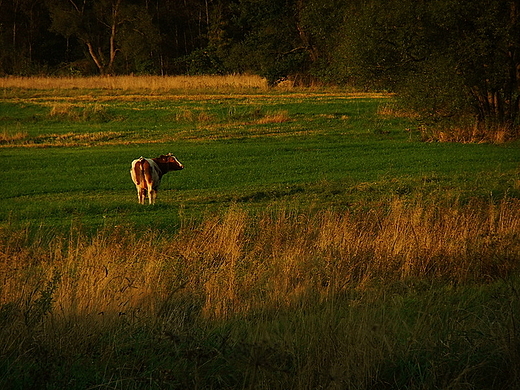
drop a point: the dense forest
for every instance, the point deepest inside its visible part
(449, 58)
(82, 37)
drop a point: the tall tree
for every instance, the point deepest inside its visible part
(263, 37)
(318, 23)
(450, 59)
(183, 29)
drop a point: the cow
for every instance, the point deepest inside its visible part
(147, 173)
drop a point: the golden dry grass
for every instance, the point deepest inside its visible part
(276, 300)
(153, 83)
(235, 262)
(157, 87)
(471, 134)
(391, 110)
(279, 116)
(8, 136)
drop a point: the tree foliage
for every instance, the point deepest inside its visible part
(456, 60)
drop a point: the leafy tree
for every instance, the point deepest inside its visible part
(214, 56)
(183, 29)
(260, 36)
(270, 44)
(277, 39)
(449, 59)
(318, 24)
(138, 41)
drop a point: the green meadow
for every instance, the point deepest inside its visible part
(316, 239)
(69, 156)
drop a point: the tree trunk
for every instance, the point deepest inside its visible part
(96, 58)
(113, 30)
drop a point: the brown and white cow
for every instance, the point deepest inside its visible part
(147, 173)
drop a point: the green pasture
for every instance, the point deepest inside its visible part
(66, 157)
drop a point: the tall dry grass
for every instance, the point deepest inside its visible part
(460, 133)
(153, 83)
(236, 262)
(497, 134)
(277, 300)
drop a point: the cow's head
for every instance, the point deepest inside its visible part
(172, 163)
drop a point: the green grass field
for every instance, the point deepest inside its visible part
(70, 157)
(312, 241)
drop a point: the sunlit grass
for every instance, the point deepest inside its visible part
(470, 134)
(10, 136)
(151, 83)
(238, 262)
(354, 299)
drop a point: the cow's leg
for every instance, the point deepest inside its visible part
(151, 194)
(153, 191)
(141, 194)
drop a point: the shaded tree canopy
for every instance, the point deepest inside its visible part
(457, 59)
(448, 59)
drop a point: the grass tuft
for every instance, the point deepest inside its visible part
(470, 134)
(280, 116)
(8, 136)
(67, 111)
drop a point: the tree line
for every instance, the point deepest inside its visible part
(274, 38)
(451, 59)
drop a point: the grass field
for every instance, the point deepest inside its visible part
(313, 240)
(67, 154)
